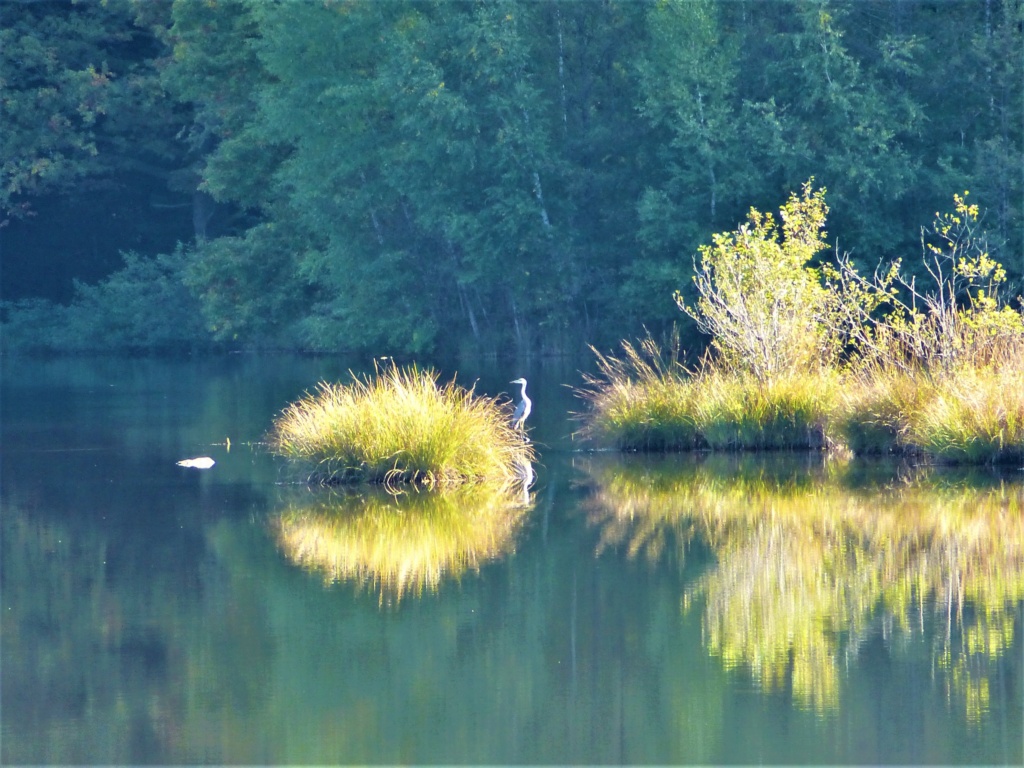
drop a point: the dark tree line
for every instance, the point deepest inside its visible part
(430, 176)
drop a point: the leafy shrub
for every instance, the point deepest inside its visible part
(763, 306)
(144, 306)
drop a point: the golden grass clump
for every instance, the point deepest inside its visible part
(874, 407)
(964, 415)
(401, 426)
(642, 401)
(401, 544)
(647, 401)
(973, 416)
(738, 412)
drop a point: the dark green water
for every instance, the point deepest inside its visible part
(637, 610)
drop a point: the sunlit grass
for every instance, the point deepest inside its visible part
(647, 401)
(806, 563)
(970, 414)
(973, 416)
(965, 415)
(874, 408)
(642, 401)
(405, 544)
(401, 426)
(738, 412)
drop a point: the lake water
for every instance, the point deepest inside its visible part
(629, 609)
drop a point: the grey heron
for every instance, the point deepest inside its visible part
(523, 408)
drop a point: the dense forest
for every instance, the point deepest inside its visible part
(489, 176)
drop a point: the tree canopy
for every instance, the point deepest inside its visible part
(427, 176)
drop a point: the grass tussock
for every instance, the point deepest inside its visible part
(972, 417)
(968, 414)
(737, 412)
(874, 408)
(972, 414)
(647, 401)
(644, 401)
(402, 426)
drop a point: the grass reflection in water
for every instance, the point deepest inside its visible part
(401, 544)
(813, 560)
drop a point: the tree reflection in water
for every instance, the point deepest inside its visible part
(401, 544)
(813, 559)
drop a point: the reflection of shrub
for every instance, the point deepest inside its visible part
(401, 544)
(807, 564)
(142, 307)
(401, 426)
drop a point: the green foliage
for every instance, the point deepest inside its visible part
(871, 417)
(247, 286)
(973, 417)
(969, 415)
(80, 102)
(959, 320)
(763, 305)
(510, 174)
(142, 307)
(399, 426)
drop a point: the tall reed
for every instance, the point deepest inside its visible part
(973, 416)
(647, 400)
(401, 426)
(642, 401)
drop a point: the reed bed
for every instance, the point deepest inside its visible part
(972, 414)
(738, 412)
(644, 401)
(401, 426)
(967, 415)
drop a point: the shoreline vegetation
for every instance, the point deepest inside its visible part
(824, 358)
(401, 427)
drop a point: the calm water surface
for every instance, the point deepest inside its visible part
(626, 610)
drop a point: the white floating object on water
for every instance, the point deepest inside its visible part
(203, 462)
